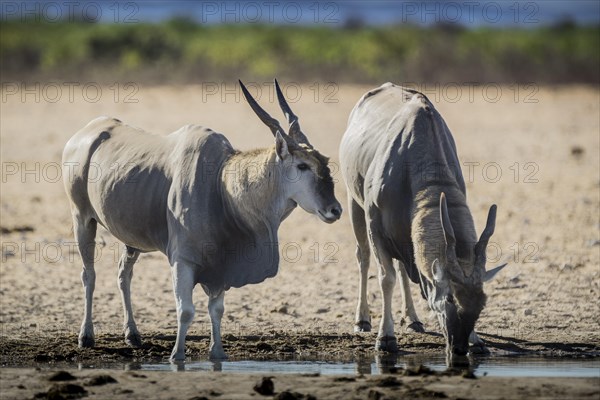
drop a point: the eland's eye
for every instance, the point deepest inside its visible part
(303, 167)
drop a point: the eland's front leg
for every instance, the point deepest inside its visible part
(215, 311)
(386, 338)
(183, 286)
(363, 318)
(126, 263)
(85, 233)
(363, 253)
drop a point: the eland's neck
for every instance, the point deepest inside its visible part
(428, 234)
(428, 238)
(252, 189)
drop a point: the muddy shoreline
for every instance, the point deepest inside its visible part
(538, 161)
(30, 350)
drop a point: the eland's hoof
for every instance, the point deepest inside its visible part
(133, 340)
(177, 357)
(362, 326)
(387, 343)
(218, 354)
(416, 326)
(86, 341)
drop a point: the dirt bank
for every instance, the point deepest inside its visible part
(534, 153)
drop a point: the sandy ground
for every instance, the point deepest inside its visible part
(533, 151)
(21, 383)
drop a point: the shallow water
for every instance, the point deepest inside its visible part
(490, 366)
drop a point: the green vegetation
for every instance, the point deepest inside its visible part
(182, 51)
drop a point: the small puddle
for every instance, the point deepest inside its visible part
(491, 366)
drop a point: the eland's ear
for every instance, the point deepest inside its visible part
(281, 146)
(440, 283)
(489, 275)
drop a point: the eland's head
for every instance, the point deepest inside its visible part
(457, 297)
(306, 176)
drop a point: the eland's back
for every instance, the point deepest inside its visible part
(120, 176)
(397, 129)
(397, 149)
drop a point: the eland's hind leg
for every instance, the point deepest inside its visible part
(126, 263)
(363, 253)
(408, 308)
(85, 234)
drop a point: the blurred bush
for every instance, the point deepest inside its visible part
(182, 51)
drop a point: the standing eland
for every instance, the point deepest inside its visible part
(408, 205)
(212, 210)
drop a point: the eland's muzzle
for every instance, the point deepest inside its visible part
(459, 351)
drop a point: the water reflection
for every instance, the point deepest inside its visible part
(375, 365)
(386, 362)
(217, 366)
(177, 366)
(363, 365)
(454, 361)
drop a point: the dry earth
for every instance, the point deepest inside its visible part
(535, 153)
(95, 384)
